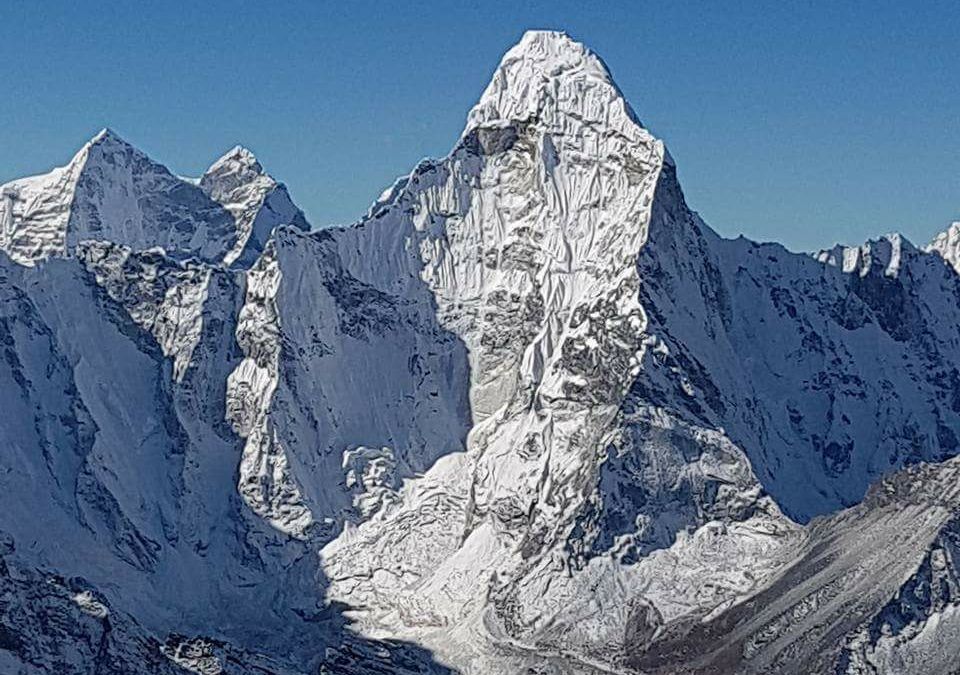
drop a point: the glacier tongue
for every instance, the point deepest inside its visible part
(529, 414)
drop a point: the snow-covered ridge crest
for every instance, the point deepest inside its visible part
(947, 244)
(36, 209)
(111, 191)
(885, 253)
(548, 74)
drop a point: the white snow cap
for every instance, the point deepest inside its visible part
(947, 244)
(106, 134)
(548, 71)
(236, 157)
(237, 169)
(106, 138)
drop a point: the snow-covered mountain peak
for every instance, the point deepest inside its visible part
(257, 202)
(947, 244)
(108, 147)
(235, 160)
(107, 136)
(236, 171)
(554, 51)
(112, 191)
(550, 77)
(109, 151)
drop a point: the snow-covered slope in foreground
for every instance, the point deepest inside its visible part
(529, 414)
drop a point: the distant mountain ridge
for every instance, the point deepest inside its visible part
(528, 414)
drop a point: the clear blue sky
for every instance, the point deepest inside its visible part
(804, 122)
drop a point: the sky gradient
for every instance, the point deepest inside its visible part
(808, 123)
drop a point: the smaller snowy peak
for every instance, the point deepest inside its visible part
(105, 147)
(238, 182)
(947, 245)
(237, 165)
(108, 136)
(107, 151)
(111, 191)
(125, 197)
(886, 254)
(257, 202)
(547, 76)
